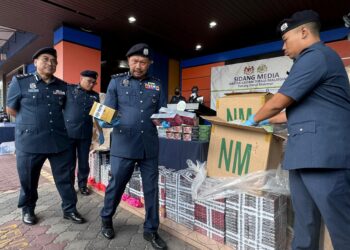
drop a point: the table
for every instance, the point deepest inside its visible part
(7, 132)
(174, 153)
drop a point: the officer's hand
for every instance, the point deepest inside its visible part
(115, 122)
(264, 122)
(101, 139)
(103, 124)
(250, 121)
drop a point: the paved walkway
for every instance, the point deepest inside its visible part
(53, 232)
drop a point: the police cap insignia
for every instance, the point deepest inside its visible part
(297, 19)
(46, 50)
(89, 73)
(140, 49)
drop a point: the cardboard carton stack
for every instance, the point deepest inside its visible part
(96, 160)
(134, 186)
(179, 203)
(209, 219)
(256, 221)
(105, 174)
(239, 150)
(163, 173)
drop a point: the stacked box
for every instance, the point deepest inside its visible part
(190, 133)
(179, 203)
(209, 219)
(98, 158)
(105, 174)
(256, 221)
(204, 132)
(163, 173)
(161, 132)
(134, 185)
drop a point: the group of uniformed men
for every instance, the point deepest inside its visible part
(316, 96)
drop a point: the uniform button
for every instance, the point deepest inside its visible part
(141, 92)
(51, 121)
(127, 92)
(141, 121)
(141, 131)
(141, 110)
(120, 131)
(33, 96)
(47, 88)
(141, 101)
(48, 96)
(27, 130)
(301, 129)
(48, 104)
(287, 134)
(50, 113)
(51, 130)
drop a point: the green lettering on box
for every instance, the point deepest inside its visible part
(223, 153)
(238, 114)
(239, 162)
(228, 115)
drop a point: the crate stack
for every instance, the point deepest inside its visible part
(163, 173)
(256, 221)
(190, 133)
(204, 132)
(209, 219)
(105, 174)
(179, 203)
(134, 186)
(96, 160)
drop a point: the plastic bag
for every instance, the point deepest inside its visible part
(204, 188)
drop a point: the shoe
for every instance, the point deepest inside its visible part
(156, 241)
(107, 229)
(84, 191)
(29, 218)
(75, 217)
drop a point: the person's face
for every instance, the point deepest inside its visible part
(177, 92)
(87, 83)
(45, 64)
(292, 42)
(138, 65)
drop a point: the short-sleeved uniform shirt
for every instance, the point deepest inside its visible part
(39, 121)
(76, 113)
(135, 100)
(319, 119)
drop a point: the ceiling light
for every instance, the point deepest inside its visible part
(198, 47)
(212, 24)
(123, 64)
(132, 19)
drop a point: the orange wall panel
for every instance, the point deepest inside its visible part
(199, 71)
(73, 58)
(343, 49)
(201, 83)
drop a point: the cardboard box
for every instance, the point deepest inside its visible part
(240, 106)
(102, 112)
(239, 150)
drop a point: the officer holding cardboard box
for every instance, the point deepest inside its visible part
(316, 96)
(37, 101)
(80, 98)
(136, 96)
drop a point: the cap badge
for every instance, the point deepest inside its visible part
(145, 51)
(284, 27)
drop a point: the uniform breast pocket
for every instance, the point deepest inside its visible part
(59, 99)
(31, 98)
(126, 96)
(25, 129)
(302, 129)
(153, 97)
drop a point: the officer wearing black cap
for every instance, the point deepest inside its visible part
(80, 98)
(136, 96)
(37, 101)
(316, 96)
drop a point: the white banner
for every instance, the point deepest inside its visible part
(265, 75)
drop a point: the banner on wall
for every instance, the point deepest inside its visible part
(265, 75)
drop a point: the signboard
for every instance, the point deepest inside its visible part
(265, 75)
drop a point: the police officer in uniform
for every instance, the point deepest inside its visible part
(80, 99)
(316, 96)
(177, 97)
(136, 96)
(37, 101)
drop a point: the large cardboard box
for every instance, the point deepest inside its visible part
(236, 150)
(240, 106)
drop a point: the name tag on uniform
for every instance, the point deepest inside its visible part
(32, 87)
(151, 86)
(59, 92)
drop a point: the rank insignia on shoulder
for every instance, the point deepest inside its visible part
(118, 75)
(23, 76)
(59, 92)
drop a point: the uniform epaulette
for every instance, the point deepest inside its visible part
(120, 74)
(19, 77)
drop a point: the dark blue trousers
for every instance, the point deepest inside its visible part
(316, 194)
(81, 149)
(122, 169)
(29, 166)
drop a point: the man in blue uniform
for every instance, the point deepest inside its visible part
(80, 99)
(37, 101)
(316, 96)
(136, 96)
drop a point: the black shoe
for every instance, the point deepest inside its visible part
(156, 241)
(107, 229)
(75, 217)
(29, 218)
(84, 191)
